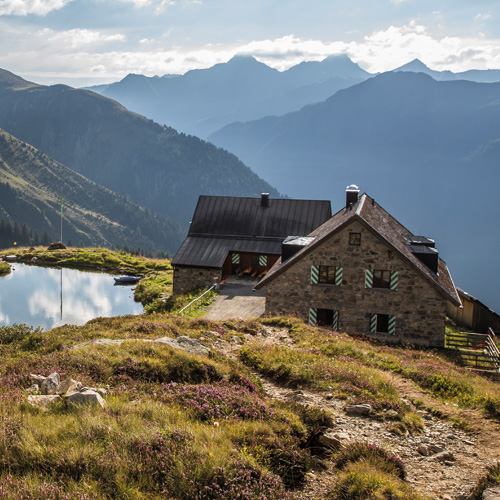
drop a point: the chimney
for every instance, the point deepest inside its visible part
(264, 200)
(351, 195)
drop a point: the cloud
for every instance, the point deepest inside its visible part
(384, 50)
(138, 3)
(68, 56)
(79, 37)
(483, 17)
(25, 7)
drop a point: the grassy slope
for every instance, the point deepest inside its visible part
(180, 426)
(30, 188)
(177, 423)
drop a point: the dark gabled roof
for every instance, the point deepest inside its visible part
(222, 224)
(212, 252)
(380, 223)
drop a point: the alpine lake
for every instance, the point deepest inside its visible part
(50, 297)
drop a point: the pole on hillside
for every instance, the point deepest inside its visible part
(61, 213)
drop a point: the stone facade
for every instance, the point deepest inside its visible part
(187, 279)
(419, 308)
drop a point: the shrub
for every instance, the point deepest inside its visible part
(218, 401)
(362, 480)
(241, 481)
(378, 457)
(17, 333)
(281, 454)
(180, 368)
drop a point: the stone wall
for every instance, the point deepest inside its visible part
(187, 279)
(419, 308)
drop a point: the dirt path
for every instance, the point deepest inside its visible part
(237, 300)
(450, 478)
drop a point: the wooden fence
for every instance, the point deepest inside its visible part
(477, 350)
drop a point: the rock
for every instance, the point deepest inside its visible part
(34, 388)
(43, 402)
(100, 390)
(332, 440)
(435, 449)
(297, 396)
(105, 342)
(423, 450)
(38, 379)
(318, 463)
(236, 340)
(50, 384)
(391, 414)
(68, 386)
(329, 396)
(358, 410)
(342, 436)
(491, 493)
(187, 344)
(57, 246)
(85, 398)
(444, 456)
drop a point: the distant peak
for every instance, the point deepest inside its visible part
(242, 59)
(132, 76)
(415, 65)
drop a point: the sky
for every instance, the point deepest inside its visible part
(89, 42)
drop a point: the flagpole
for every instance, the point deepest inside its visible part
(61, 213)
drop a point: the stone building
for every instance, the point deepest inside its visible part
(363, 272)
(242, 236)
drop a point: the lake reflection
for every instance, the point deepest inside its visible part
(48, 297)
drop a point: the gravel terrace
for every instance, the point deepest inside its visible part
(237, 300)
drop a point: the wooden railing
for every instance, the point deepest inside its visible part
(478, 350)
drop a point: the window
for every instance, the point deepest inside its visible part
(383, 323)
(330, 275)
(324, 317)
(355, 239)
(327, 274)
(381, 278)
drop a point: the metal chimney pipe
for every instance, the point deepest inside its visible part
(351, 195)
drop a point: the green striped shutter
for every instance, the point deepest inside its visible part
(235, 258)
(314, 275)
(338, 276)
(262, 260)
(394, 280)
(373, 323)
(313, 316)
(335, 323)
(392, 325)
(369, 278)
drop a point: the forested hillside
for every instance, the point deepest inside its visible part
(154, 165)
(30, 194)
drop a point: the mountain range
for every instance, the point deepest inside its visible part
(92, 215)
(473, 75)
(427, 150)
(151, 164)
(202, 101)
